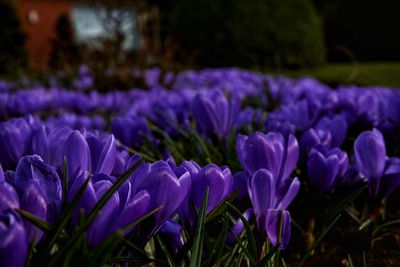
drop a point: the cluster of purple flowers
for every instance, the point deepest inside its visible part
(309, 133)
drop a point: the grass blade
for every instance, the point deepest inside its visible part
(197, 249)
(38, 222)
(249, 232)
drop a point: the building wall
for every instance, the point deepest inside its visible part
(38, 19)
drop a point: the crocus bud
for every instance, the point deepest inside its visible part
(325, 168)
(171, 232)
(13, 240)
(130, 130)
(370, 156)
(166, 190)
(214, 114)
(270, 151)
(311, 138)
(337, 126)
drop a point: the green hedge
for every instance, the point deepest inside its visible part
(256, 33)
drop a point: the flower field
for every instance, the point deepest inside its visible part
(219, 167)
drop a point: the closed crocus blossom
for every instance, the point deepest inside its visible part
(171, 233)
(39, 189)
(214, 114)
(167, 191)
(13, 240)
(103, 225)
(218, 180)
(313, 137)
(130, 131)
(271, 151)
(325, 167)
(337, 126)
(370, 156)
(265, 196)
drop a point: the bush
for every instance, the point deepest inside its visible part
(248, 33)
(12, 44)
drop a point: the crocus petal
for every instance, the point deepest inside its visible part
(272, 226)
(261, 188)
(390, 180)
(8, 197)
(291, 156)
(260, 153)
(107, 157)
(291, 193)
(135, 209)
(34, 202)
(13, 240)
(77, 153)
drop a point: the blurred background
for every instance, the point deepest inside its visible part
(336, 41)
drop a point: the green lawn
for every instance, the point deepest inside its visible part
(376, 73)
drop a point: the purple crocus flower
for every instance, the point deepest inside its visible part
(13, 240)
(265, 196)
(337, 126)
(39, 188)
(214, 114)
(382, 173)
(325, 167)
(240, 184)
(217, 179)
(167, 189)
(171, 232)
(8, 196)
(270, 151)
(313, 137)
(130, 130)
(238, 227)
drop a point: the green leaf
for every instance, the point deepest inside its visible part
(57, 229)
(244, 250)
(249, 232)
(351, 263)
(167, 255)
(364, 260)
(380, 227)
(221, 207)
(343, 204)
(219, 245)
(93, 213)
(38, 222)
(197, 249)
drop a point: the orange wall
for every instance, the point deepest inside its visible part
(40, 34)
